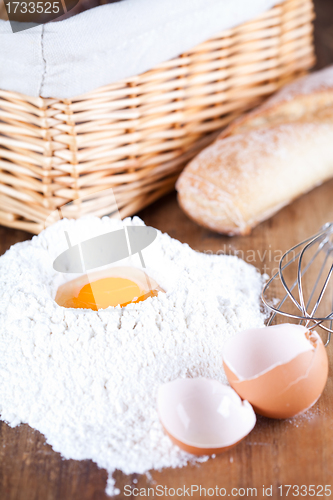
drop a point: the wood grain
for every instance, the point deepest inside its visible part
(296, 451)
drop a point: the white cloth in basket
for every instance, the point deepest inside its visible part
(111, 42)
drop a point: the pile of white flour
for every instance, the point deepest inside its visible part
(88, 380)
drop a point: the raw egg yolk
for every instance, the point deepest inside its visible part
(106, 292)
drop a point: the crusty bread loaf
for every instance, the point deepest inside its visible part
(264, 160)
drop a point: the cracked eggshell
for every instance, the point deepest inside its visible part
(203, 416)
(281, 370)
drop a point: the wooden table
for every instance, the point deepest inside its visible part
(295, 452)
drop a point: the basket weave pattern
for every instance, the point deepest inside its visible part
(136, 135)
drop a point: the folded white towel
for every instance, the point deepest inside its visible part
(112, 42)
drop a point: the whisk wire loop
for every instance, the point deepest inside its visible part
(297, 254)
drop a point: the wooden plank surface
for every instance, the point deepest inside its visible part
(296, 451)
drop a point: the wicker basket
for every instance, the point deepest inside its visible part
(136, 135)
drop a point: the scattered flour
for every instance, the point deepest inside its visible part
(88, 380)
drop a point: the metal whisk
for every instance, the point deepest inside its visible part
(303, 258)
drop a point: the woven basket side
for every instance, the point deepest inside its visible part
(135, 136)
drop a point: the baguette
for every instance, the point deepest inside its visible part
(264, 160)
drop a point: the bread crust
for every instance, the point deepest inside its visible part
(264, 160)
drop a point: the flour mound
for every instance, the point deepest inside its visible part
(88, 380)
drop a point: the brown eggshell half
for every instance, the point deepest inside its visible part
(203, 416)
(288, 388)
(199, 451)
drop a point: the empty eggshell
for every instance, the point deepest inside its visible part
(281, 370)
(203, 416)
